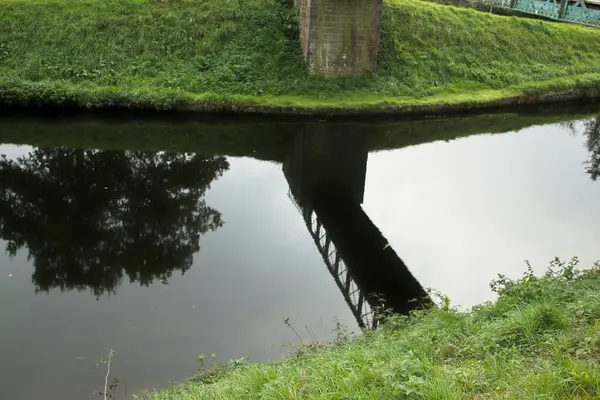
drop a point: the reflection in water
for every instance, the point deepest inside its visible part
(326, 174)
(90, 217)
(592, 131)
(457, 212)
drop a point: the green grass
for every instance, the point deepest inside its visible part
(539, 340)
(244, 55)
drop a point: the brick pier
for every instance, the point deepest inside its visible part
(340, 37)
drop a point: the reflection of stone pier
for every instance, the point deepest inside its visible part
(322, 160)
(326, 173)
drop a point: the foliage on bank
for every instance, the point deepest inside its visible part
(540, 339)
(234, 55)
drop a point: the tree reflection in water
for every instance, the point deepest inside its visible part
(88, 217)
(592, 132)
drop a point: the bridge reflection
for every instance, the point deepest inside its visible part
(326, 174)
(355, 298)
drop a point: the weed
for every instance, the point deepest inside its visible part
(110, 390)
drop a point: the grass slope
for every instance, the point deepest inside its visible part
(244, 54)
(540, 340)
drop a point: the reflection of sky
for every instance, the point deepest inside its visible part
(461, 212)
(13, 151)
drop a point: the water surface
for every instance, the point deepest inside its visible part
(162, 249)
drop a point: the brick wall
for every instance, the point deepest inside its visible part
(304, 6)
(340, 37)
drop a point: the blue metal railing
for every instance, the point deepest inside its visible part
(577, 11)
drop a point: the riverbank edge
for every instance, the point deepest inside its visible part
(21, 93)
(541, 336)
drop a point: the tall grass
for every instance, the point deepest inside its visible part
(540, 339)
(226, 52)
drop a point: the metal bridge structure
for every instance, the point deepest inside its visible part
(585, 12)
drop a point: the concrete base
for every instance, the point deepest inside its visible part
(340, 37)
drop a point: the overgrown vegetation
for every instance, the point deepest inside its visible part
(540, 339)
(244, 54)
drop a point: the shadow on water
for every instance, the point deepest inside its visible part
(134, 207)
(88, 218)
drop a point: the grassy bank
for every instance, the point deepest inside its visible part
(243, 55)
(541, 339)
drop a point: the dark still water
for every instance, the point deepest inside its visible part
(164, 240)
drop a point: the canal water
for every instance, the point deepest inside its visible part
(166, 239)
